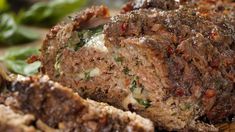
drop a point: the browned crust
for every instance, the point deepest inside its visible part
(166, 33)
(184, 46)
(61, 108)
(11, 121)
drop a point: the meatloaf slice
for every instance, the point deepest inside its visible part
(62, 109)
(11, 121)
(170, 66)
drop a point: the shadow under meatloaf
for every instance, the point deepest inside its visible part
(63, 110)
(170, 66)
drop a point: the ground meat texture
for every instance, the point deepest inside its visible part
(62, 109)
(186, 49)
(170, 66)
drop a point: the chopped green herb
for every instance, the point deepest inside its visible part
(126, 70)
(185, 106)
(119, 59)
(97, 30)
(86, 34)
(145, 103)
(57, 65)
(13, 33)
(173, 114)
(15, 61)
(134, 84)
(87, 75)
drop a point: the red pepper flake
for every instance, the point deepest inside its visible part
(106, 12)
(179, 92)
(55, 29)
(124, 27)
(32, 59)
(215, 35)
(215, 63)
(210, 93)
(103, 120)
(211, 1)
(127, 82)
(127, 8)
(170, 50)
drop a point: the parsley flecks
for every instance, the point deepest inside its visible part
(185, 106)
(86, 34)
(145, 103)
(126, 70)
(87, 75)
(119, 59)
(134, 84)
(57, 65)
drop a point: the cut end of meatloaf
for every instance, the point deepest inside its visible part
(62, 109)
(71, 36)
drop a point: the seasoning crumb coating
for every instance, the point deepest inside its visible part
(60, 109)
(174, 66)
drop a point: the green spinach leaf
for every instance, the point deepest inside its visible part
(3, 5)
(145, 103)
(13, 33)
(49, 13)
(15, 61)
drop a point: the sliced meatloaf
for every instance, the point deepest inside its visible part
(174, 67)
(15, 122)
(60, 109)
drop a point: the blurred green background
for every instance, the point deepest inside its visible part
(24, 24)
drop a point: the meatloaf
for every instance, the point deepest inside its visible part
(57, 108)
(11, 121)
(175, 67)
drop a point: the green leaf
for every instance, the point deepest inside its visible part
(12, 33)
(145, 103)
(15, 61)
(31, 69)
(119, 59)
(134, 83)
(19, 54)
(3, 5)
(49, 13)
(16, 66)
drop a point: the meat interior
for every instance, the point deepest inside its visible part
(127, 80)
